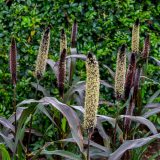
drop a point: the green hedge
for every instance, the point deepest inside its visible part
(102, 27)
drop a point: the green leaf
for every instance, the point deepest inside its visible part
(4, 153)
(63, 124)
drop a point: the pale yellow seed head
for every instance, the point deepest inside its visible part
(42, 54)
(135, 37)
(120, 72)
(92, 92)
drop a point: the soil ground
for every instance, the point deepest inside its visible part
(152, 150)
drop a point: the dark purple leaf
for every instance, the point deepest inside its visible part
(68, 112)
(154, 96)
(6, 123)
(151, 112)
(142, 120)
(156, 60)
(40, 88)
(54, 67)
(106, 84)
(110, 71)
(62, 153)
(152, 105)
(77, 56)
(131, 144)
(85, 141)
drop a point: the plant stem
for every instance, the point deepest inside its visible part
(31, 120)
(88, 132)
(14, 106)
(115, 128)
(15, 111)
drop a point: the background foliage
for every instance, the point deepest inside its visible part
(102, 27)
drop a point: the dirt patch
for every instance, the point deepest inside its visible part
(152, 151)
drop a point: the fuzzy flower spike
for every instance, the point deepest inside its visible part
(62, 72)
(146, 47)
(63, 41)
(135, 37)
(13, 61)
(120, 72)
(92, 92)
(43, 54)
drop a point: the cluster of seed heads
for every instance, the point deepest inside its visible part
(123, 81)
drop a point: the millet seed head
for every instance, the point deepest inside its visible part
(63, 41)
(135, 37)
(42, 54)
(92, 92)
(13, 61)
(120, 72)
